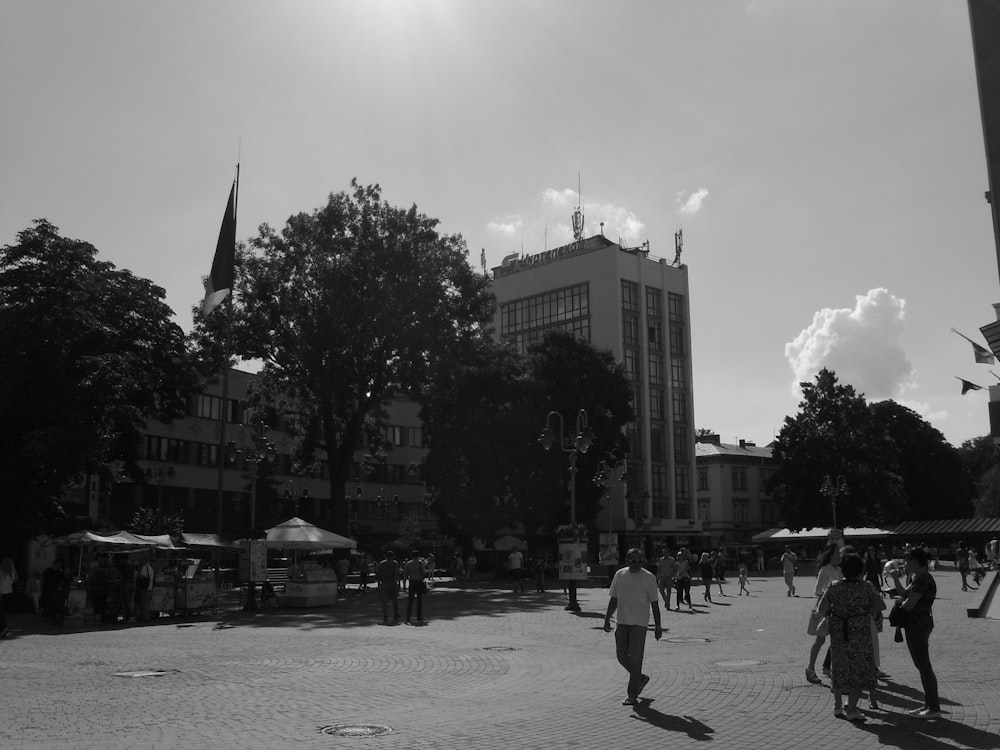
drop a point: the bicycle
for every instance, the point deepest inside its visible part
(975, 577)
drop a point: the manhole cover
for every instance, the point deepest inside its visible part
(143, 673)
(688, 639)
(356, 730)
(739, 663)
(500, 648)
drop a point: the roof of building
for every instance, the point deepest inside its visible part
(707, 450)
(950, 526)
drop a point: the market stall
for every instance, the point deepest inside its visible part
(309, 584)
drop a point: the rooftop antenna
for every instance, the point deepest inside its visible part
(678, 246)
(578, 213)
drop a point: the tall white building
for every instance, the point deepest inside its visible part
(637, 306)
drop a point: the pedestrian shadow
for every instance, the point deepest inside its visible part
(693, 728)
(909, 692)
(903, 731)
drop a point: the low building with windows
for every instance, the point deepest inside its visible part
(733, 503)
(181, 463)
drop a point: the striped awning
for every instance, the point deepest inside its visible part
(949, 526)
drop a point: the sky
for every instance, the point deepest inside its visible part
(824, 160)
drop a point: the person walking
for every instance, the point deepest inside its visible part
(962, 563)
(515, 565)
(8, 577)
(387, 580)
(827, 571)
(760, 561)
(873, 570)
(682, 580)
(470, 565)
(849, 605)
(415, 572)
(789, 561)
(743, 580)
(666, 569)
(705, 568)
(917, 602)
(633, 594)
(144, 581)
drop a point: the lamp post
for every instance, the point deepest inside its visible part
(579, 443)
(832, 488)
(606, 476)
(159, 474)
(261, 450)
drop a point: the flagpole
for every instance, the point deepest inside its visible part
(227, 348)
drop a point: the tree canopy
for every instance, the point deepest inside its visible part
(485, 465)
(836, 434)
(346, 306)
(88, 354)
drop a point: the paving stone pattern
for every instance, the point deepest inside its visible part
(489, 669)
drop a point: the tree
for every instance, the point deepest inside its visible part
(88, 354)
(979, 456)
(344, 307)
(836, 434)
(485, 465)
(936, 482)
(987, 502)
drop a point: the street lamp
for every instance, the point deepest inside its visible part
(159, 474)
(832, 488)
(580, 443)
(607, 476)
(261, 450)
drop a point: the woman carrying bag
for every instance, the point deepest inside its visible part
(827, 571)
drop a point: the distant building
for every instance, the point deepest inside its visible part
(181, 463)
(637, 306)
(732, 502)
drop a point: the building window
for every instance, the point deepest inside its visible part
(676, 339)
(675, 307)
(630, 331)
(207, 454)
(209, 407)
(661, 510)
(656, 398)
(525, 321)
(683, 510)
(167, 449)
(657, 443)
(630, 296)
(655, 369)
(680, 441)
(739, 479)
(679, 401)
(634, 442)
(705, 512)
(677, 378)
(739, 512)
(659, 478)
(702, 480)
(655, 335)
(631, 363)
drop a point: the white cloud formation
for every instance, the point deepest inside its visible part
(560, 198)
(507, 225)
(692, 203)
(619, 222)
(862, 346)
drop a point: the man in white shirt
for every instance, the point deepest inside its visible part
(633, 594)
(515, 563)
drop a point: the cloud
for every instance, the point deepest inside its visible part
(507, 225)
(862, 346)
(692, 204)
(560, 198)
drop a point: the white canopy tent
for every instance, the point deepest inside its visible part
(298, 534)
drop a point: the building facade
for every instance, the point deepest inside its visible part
(260, 478)
(637, 306)
(733, 504)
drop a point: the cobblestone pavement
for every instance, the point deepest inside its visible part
(489, 669)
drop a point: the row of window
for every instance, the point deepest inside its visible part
(738, 479)
(545, 310)
(741, 512)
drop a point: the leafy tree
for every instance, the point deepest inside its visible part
(345, 306)
(485, 465)
(834, 434)
(936, 482)
(987, 502)
(88, 354)
(147, 520)
(979, 456)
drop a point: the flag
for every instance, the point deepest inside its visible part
(981, 353)
(967, 386)
(220, 282)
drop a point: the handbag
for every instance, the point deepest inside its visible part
(897, 615)
(818, 624)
